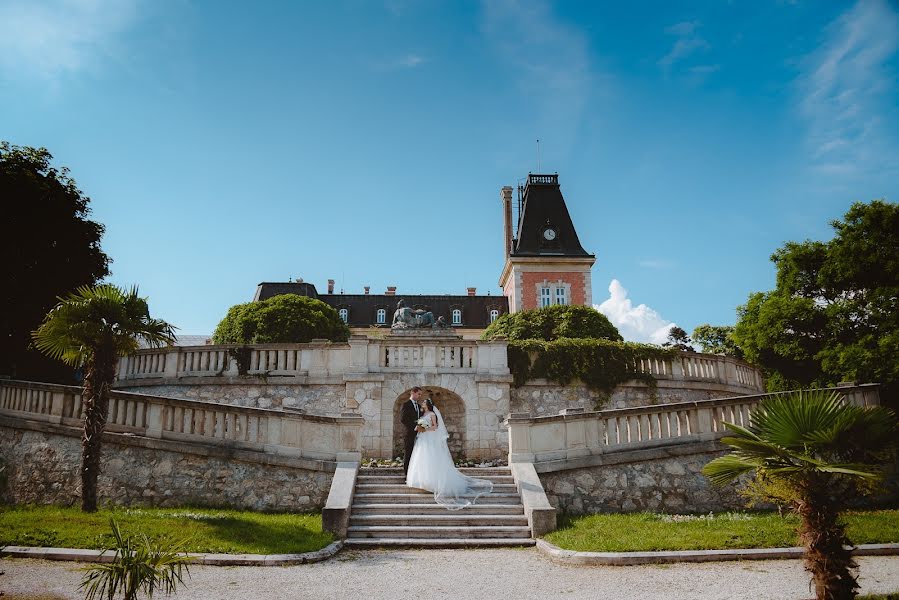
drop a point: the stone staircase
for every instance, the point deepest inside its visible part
(385, 512)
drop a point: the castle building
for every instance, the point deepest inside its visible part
(545, 264)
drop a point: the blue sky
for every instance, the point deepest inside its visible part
(228, 143)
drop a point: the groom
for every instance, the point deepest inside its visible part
(409, 415)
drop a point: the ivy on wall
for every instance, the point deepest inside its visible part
(600, 364)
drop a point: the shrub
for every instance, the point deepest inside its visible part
(552, 323)
(287, 318)
(599, 363)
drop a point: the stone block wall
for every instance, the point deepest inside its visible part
(656, 483)
(43, 468)
(541, 398)
(314, 399)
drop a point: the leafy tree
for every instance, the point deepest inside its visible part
(93, 327)
(287, 318)
(552, 323)
(813, 452)
(49, 247)
(834, 313)
(678, 340)
(717, 339)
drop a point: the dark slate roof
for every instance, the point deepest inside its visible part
(363, 308)
(266, 290)
(184, 340)
(543, 206)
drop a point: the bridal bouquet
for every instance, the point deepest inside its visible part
(424, 423)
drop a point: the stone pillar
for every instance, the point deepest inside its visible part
(519, 438)
(171, 363)
(154, 420)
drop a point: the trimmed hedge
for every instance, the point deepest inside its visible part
(553, 323)
(287, 318)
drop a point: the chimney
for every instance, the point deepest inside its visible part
(506, 195)
(472, 291)
(391, 290)
(366, 290)
(330, 286)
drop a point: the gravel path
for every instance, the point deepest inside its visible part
(464, 574)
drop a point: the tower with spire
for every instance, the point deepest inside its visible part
(545, 263)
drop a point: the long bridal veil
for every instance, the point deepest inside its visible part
(431, 468)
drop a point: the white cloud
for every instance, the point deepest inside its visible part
(636, 323)
(847, 90)
(58, 37)
(686, 44)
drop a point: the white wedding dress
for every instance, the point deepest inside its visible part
(431, 468)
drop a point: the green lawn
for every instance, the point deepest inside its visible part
(205, 530)
(647, 531)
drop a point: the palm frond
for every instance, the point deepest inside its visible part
(99, 317)
(725, 469)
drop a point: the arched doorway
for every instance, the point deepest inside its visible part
(450, 406)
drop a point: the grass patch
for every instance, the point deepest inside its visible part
(641, 532)
(206, 530)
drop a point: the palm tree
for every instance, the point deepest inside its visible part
(93, 327)
(814, 452)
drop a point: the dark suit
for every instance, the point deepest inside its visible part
(408, 416)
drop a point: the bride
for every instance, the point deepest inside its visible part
(431, 466)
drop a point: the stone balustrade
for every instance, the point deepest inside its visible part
(286, 433)
(559, 441)
(319, 359)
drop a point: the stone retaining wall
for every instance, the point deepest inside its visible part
(314, 399)
(542, 398)
(658, 482)
(42, 467)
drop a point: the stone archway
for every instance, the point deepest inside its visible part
(450, 406)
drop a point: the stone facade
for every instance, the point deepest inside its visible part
(473, 407)
(313, 399)
(43, 468)
(661, 484)
(543, 398)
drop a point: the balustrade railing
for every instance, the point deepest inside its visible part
(575, 434)
(322, 359)
(331, 438)
(395, 354)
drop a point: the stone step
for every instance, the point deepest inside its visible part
(359, 543)
(434, 509)
(470, 471)
(385, 488)
(428, 498)
(401, 480)
(436, 531)
(454, 519)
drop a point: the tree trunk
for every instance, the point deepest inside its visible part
(826, 555)
(97, 381)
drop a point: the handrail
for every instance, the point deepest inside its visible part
(575, 433)
(320, 437)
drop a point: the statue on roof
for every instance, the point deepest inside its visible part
(408, 318)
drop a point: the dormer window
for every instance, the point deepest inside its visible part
(381, 316)
(457, 316)
(344, 315)
(494, 315)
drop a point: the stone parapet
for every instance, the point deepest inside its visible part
(287, 433)
(557, 440)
